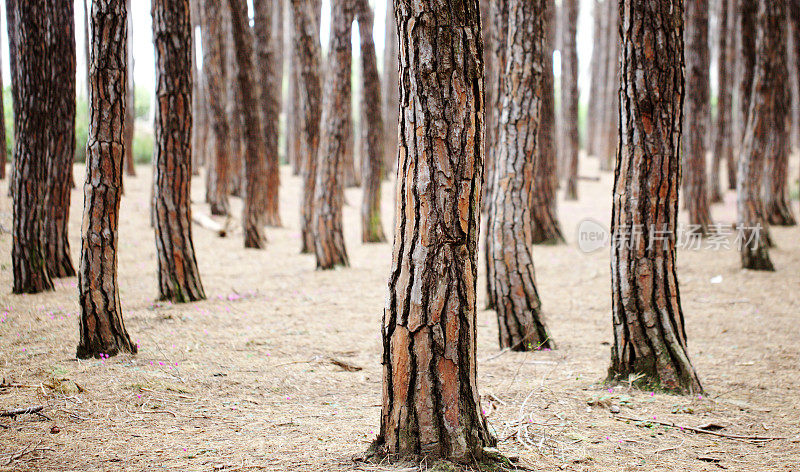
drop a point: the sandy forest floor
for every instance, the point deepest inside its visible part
(246, 380)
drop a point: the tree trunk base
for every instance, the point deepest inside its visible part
(779, 213)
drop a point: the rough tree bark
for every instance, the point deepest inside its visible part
(767, 109)
(216, 75)
(28, 23)
(61, 136)
(697, 114)
(234, 110)
(391, 97)
(102, 330)
(521, 327)
(569, 96)
(11, 29)
(372, 160)
(431, 405)
(723, 125)
(178, 277)
(270, 73)
(649, 333)
(309, 93)
(747, 11)
(255, 156)
(543, 198)
(328, 191)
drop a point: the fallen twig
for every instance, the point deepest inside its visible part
(698, 430)
(34, 410)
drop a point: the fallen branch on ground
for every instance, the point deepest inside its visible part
(34, 410)
(698, 430)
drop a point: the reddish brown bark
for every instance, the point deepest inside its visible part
(102, 330)
(723, 125)
(178, 277)
(3, 144)
(569, 97)
(609, 120)
(649, 333)
(234, 111)
(130, 167)
(747, 11)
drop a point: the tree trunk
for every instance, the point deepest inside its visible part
(309, 94)
(3, 144)
(697, 114)
(329, 193)
(596, 70)
(199, 119)
(391, 97)
(649, 334)
(607, 141)
(747, 10)
(130, 168)
(767, 110)
(234, 111)
(255, 158)
(102, 330)
(372, 159)
(431, 406)
(519, 317)
(61, 138)
(292, 104)
(723, 132)
(11, 29)
(178, 277)
(270, 73)
(543, 198)
(216, 75)
(569, 96)
(32, 121)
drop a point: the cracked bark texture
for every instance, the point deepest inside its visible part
(270, 74)
(648, 324)
(255, 156)
(178, 276)
(216, 75)
(767, 113)
(307, 56)
(28, 25)
(373, 156)
(516, 299)
(61, 69)
(328, 190)
(391, 97)
(431, 406)
(102, 330)
(543, 198)
(723, 123)
(696, 114)
(569, 96)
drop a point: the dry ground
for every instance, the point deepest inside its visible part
(244, 381)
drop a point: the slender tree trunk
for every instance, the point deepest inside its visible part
(270, 73)
(431, 406)
(329, 194)
(697, 114)
(291, 103)
(767, 110)
(234, 111)
(608, 133)
(521, 327)
(30, 61)
(391, 98)
(649, 333)
(60, 44)
(3, 143)
(596, 70)
(199, 119)
(723, 133)
(102, 330)
(309, 93)
(13, 69)
(130, 168)
(543, 198)
(372, 159)
(569, 96)
(747, 10)
(731, 86)
(216, 74)
(178, 277)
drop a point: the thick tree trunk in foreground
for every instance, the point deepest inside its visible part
(569, 97)
(32, 122)
(216, 74)
(723, 125)
(431, 405)
(329, 192)
(102, 330)
(543, 194)
(519, 317)
(767, 110)
(178, 277)
(270, 73)
(309, 92)
(61, 137)
(391, 97)
(255, 157)
(697, 114)
(372, 159)
(649, 334)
